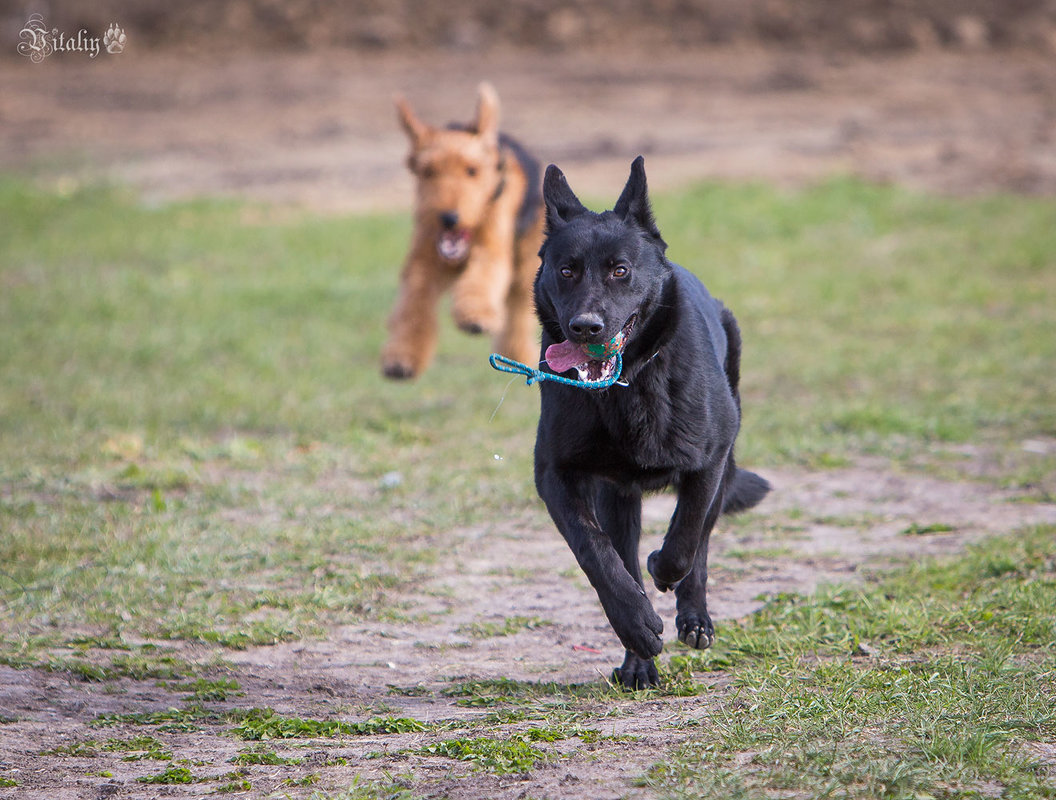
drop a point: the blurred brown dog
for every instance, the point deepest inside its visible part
(478, 229)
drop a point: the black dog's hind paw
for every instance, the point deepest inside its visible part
(636, 673)
(665, 576)
(695, 630)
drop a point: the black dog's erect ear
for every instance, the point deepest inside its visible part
(561, 202)
(634, 202)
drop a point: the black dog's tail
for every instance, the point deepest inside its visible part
(744, 491)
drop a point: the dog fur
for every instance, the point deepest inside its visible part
(478, 227)
(673, 424)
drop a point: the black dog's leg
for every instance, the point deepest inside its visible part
(692, 620)
(620, 515)
(699, 504)
(569, 499)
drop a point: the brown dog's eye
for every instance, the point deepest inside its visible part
(620, 271)
(429, 172)
(471, 172)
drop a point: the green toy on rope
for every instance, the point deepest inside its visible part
(605, 360)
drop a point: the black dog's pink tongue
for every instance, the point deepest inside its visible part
(563, 356)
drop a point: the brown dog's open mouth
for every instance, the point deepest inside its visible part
(593, 362)
(453, 245)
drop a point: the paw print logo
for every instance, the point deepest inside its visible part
(114, 39)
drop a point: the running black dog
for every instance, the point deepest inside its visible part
(606, 291)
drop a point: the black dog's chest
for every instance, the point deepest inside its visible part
(643, 428)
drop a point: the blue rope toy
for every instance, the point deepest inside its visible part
(504, 364)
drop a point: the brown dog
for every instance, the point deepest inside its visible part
(478, 228)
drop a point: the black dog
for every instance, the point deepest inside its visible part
(606, 286)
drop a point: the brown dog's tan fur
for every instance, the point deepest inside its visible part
(472, 175)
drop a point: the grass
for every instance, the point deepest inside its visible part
(172, 775)
(874, 316)
(138, 748)
(501, 756)
(263, 755)
(180, 383)
(961, 682)
(197, 450)
(264, 724)
(508, 627)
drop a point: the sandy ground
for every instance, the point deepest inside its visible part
(317, 129)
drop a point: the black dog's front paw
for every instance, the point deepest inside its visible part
(665, 574)
(636, 673)
(696, 630)
(638, 626)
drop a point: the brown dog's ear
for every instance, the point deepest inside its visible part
(488, 113)
(415, 128)
(634, 205)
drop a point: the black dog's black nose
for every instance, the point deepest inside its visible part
(449, 219)
(585, 326)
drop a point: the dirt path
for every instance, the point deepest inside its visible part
(318, 128)
(816, 527)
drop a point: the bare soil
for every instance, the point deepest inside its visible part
(316, 129)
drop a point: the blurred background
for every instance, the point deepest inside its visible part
(291, 102)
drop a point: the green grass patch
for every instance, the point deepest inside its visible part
(264, 755)
(875, 316)
(508, 627)
(173, 720)
(514, 754)
(138, 748)
(205, 690)
(263, 724)
(959, 682)
(85, 749)
(917, 529)
(310, 779)
(174, 775)
(494, 691)
(235, 786)
(398, 789)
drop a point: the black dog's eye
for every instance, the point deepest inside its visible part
(621, 271)
(567, 272)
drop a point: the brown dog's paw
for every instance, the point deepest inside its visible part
(403, 360)
(477, 319)
(474, 328)
(397, 370)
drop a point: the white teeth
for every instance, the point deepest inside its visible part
(597, 371)
(452, 246)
